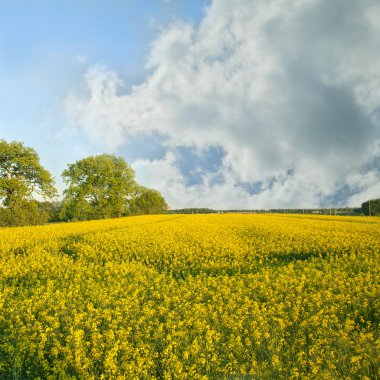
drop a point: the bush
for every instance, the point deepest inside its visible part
(23, 214)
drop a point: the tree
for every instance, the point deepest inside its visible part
(98, 187)
(148, 201)
(24, 213)
(371, 207)
(50, 209)
(21, 178)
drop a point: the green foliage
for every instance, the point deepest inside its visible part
(22, 214)
(21, 177)
(98, 187)
(51, 209)
(371, 207)
(21, 174)
(193, 211)
(148, 201)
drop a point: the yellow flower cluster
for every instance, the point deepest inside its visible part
(192, 297)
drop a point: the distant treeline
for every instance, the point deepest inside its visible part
(317, 211)
(371, 207)
(97, 187)
(192, 211)
(321, 211)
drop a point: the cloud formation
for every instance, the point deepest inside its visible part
(288, 90)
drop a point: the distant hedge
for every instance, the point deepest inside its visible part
(371, 207)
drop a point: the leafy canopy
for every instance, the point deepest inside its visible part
(22, 175)
(148, 201)
(98, 187)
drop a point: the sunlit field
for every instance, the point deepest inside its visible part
(192, 297)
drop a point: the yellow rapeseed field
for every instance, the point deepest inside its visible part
(192, 297)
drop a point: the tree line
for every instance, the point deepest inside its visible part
(371, 207)
(101, 186)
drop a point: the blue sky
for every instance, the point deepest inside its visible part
(47, 46)
(216, 103)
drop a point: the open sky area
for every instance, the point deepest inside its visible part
(215, 103)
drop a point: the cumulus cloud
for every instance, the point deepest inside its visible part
(289, 90)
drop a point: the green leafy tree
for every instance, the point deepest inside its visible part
(98, 187)
(22, 214)
(371, 207)
(22, 177)
(148, 201)
(50, 209)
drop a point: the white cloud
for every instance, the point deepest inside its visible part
(280, 85)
